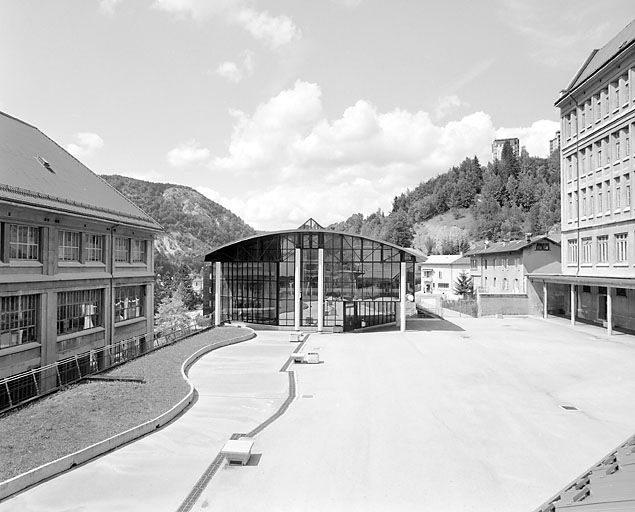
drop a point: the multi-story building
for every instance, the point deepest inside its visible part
(554, 144)
(76, 263)
(497, 147)
(502, 267)
(597, 111)
(440, 271)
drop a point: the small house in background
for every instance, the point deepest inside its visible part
(500, 272)
(197, 283)
(440, 271)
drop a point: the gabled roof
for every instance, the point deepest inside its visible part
(598, 58)
(36, 171)
(446, 259)
(310, 224)
(511, 246)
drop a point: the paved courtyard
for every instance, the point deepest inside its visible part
(456, 415)
(459, 416)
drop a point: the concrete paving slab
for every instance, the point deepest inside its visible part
(239, 387)
(465, 417)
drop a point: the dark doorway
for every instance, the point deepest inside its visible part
(602, 307)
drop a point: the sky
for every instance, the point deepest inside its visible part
(289, 109)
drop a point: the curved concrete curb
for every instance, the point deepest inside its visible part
(53, 468)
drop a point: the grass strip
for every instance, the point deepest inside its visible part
(91, 411)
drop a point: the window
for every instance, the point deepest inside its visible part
(603, 249)
(138, 251)
(542, 246)
(505, 287)
(68, 245)
(18, 320)
(95, 248)
(627, 145)
(485, 263)
(129, 302)
(586, 289)
(573, 251)
(443, 285)
(618, 155)
(620, 292)
(440, 275)
(122, 249)
(618, 193)
(628, 192)
(504, 262)
(598, 108)
(608, 195)
(586, 250)
(78, 310)
(591, 201)
(599, 154)
(584, 202)
(621, 247)
(570, 198)
(24, 242)
(600, 206)
(473, 263)
(494, 283)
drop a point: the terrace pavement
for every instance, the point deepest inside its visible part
(451, 415)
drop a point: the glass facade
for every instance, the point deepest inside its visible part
(361, 279)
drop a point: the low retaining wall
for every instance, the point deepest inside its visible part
(53, 468)
(491, 304)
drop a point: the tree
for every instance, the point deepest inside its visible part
(464, 285)
(172, 314)
(398, 229)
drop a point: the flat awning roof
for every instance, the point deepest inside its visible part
(614, 282)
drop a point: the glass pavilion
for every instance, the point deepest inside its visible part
(309, 278)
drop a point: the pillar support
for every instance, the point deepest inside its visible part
(609, 311)
(544, 299)
(320, 311)
(297, 310)
(217, 291)
(573, 304)
(402, 297)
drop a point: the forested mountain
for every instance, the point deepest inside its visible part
(193, 223)
(506, 198)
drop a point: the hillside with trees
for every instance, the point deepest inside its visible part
(193, 224)
(503, 200)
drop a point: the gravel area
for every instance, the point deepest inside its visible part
(86, 413)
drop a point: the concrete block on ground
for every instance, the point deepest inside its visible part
(238, 450)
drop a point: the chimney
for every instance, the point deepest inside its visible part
(528, 237)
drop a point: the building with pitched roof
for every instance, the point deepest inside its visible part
(76, 262)
(440, 271)
(597, 111)
(310, 278)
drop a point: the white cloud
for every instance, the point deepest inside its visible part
(275, 31)
(294, 163)
(233, 72)
(108, 6)
(446, 105)
(229, 71)
(85, 145)
(300, 164)
(187, 153)
(535, 137)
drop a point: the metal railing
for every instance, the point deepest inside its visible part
(24, 387)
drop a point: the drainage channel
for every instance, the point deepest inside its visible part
(217, 463)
